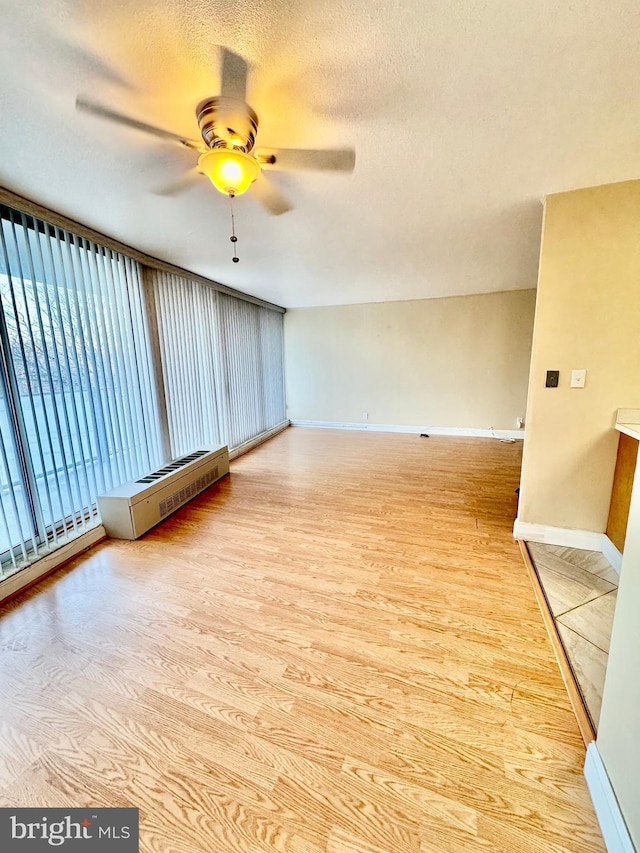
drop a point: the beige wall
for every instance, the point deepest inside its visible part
(618, 742)
(587, 316)
(454, 362)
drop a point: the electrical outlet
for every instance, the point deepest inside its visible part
(365, 416)
(519, 423)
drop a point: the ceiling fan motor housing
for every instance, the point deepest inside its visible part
(227, 123)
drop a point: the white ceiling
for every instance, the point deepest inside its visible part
(463, 116)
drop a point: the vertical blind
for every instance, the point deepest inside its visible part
(78, 407)
(93, 394)
(187, 318)
(252, 358)
(222, 364)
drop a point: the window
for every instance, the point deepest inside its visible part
(252, 358)
(107, 369)
(222, 364)
(187, 323)
(78, 408)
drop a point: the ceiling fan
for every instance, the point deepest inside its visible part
(227, 152)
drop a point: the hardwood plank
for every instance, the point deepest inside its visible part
(335, 650)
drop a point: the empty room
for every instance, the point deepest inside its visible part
(319, 422)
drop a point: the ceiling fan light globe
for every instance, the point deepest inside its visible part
(231, 172)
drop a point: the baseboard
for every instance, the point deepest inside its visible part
(585, 540)
(258, 439)
(470, 432)
(20, 580)
(611, 553)
(614, 830)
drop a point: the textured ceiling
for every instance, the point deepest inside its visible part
(463, 116)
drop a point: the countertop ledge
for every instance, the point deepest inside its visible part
(628, 422)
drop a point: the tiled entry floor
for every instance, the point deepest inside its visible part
(581, 589)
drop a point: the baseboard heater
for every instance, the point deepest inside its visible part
(135, 507)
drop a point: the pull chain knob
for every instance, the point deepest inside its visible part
(233, 237)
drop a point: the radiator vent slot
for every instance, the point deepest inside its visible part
(172, 466)
(183, 495)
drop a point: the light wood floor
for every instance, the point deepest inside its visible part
(335, 650)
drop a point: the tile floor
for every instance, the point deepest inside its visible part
(581, 589)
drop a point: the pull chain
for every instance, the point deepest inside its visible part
(233, 237)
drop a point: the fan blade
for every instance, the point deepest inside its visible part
(269, 196)
(337, 160)
(92, 107)
(184, 182)
(233, 82)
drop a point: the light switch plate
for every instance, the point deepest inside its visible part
(578, 378)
